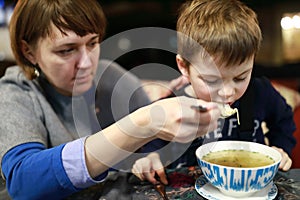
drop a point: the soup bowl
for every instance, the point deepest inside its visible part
(238, 181)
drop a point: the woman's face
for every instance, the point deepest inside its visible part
(68, 61)
(218, 83)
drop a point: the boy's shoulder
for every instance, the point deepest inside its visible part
(261, 81)
(265, 93)
(262, 86)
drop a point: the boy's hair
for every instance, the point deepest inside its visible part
(226, 29)
(32, 20)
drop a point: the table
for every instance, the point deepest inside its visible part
(125, 186)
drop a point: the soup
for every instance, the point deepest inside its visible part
(238, 158)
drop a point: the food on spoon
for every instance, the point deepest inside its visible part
(227, 111)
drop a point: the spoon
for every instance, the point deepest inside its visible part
(160, 188)
(199, 108)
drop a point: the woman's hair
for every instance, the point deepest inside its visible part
(225, 29)
(32, 20)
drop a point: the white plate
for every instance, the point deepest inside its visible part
(207, 190)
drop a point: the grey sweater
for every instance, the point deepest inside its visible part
(32, 111)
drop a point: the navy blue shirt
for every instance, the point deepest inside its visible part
(267, 106)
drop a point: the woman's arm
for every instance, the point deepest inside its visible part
(170, 119)
(34, 172)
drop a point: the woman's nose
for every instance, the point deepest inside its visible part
(84, 59)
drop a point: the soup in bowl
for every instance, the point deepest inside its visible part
(238, 168)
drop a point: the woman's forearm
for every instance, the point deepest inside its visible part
(116, 142)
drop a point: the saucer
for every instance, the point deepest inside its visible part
(207, 190)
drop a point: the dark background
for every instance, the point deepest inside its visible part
(125, 15)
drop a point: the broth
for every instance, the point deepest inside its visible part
(238, 158)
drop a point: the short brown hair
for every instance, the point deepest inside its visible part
(227, 30)
(32, 19)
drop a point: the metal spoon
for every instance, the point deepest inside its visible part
(160, 188)
(199, 108)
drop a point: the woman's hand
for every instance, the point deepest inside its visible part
(177, 83)
(286, 161)
(161, 89)
(174, 119)
(146, 168)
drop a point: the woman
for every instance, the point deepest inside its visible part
(48, 150)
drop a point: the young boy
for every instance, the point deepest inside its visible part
(217, 44)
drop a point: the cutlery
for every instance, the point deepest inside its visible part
(199, 108)
(161, 189)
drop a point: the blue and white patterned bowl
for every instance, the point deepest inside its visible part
(236, 181)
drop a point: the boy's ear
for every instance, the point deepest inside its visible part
(183, 68)
(27, 52)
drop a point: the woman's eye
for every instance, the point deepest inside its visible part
(65, 51)
(93, 43)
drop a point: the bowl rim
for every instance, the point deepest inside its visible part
(276, 163)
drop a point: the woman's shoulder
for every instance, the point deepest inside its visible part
(15, 85)
(13, 76)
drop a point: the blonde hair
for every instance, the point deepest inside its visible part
(32, 19)
(227, 30)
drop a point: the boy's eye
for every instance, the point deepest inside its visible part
(94, 42)
(239, 79)
(212, 82)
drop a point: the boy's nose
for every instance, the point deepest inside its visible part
(226, 91)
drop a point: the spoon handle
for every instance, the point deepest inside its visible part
(160, 187)
(199, 108)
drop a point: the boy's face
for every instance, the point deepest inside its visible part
(221, 84)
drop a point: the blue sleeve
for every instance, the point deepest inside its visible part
(34, 172)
